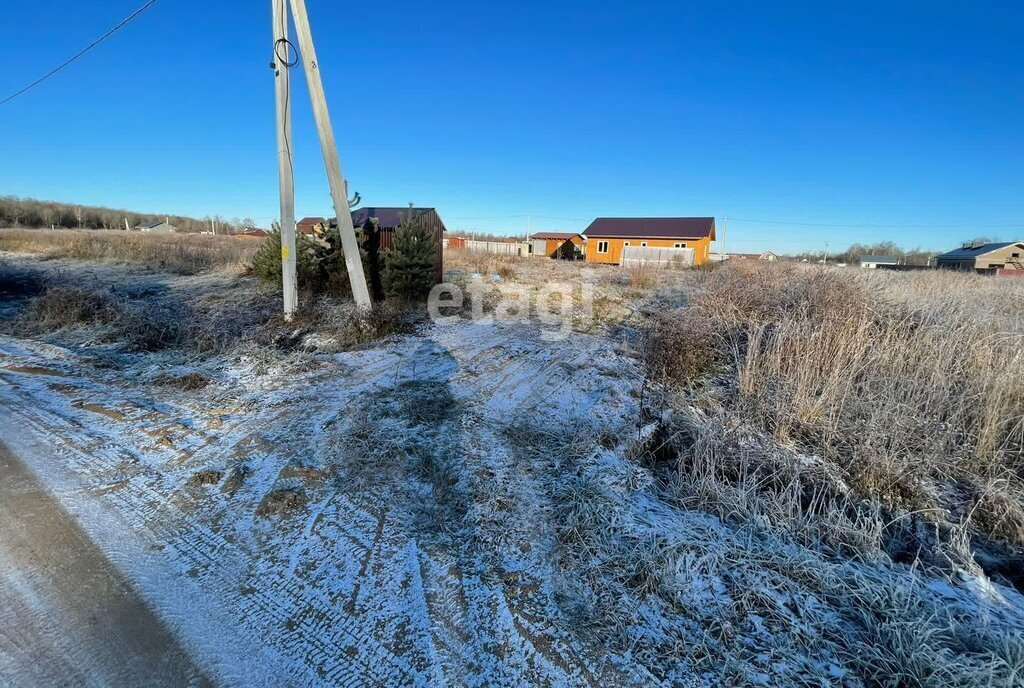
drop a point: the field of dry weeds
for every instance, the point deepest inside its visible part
(768, 474)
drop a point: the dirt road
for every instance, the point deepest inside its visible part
(67, 616)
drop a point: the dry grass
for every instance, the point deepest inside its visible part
(906, 389)
(484, 263)
(332, 325)
(177, 253)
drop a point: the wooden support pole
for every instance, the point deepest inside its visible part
(286, 185)
(330, 152)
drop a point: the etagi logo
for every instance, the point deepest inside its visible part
(554, 305)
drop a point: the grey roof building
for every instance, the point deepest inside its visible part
(982, 257)
(875, 261)
(158, 226)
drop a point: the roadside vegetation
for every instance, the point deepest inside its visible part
(824, 484)
(183, 254)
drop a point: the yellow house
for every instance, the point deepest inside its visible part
(607, 236)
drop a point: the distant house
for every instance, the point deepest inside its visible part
(982, 257)
(553, 244)
(252, 232)
(390, 219)
(159, 227)
(766, 256)
(873, 262)
(606, 237)
(311, 226)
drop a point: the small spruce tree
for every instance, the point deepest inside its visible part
(410, 267)
(266, 264)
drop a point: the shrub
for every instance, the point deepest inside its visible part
(681, 347)
(61, 307)
(410, 267)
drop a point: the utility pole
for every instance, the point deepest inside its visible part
(286, 185)
(330, 152)
(825, 261)
(725, 229)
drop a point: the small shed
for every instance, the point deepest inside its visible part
(550, 244)
(391, 218)
(872, 262)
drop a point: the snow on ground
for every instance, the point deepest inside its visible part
(397, 515)
(262, 518)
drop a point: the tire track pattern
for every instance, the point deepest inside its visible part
(336, 586)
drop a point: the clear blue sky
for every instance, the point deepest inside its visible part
(862, 113)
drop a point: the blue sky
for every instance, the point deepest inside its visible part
(905, 117)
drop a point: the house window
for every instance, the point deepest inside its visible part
(643, 243)
(678, 245)
(602, 247)
(625, 244)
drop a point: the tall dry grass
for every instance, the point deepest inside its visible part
(907, 390)
(177, 253)
(484, 263)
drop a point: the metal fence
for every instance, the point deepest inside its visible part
(501, 248)
(657, 257)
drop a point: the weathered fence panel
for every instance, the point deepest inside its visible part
(500, 248)
(657, 257)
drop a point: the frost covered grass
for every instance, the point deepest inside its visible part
(199, 316)
(906, 389)
(819, 482)
(184, 254)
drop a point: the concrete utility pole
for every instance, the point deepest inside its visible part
(286, 185)
(725, 229)
(825, 261)
(330, 152)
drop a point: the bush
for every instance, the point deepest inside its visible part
(410, 268)
(681, 347)
(62, 307)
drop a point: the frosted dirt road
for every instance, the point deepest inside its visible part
(67, 616)
(239, 511)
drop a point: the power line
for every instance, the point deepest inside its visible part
(83, 51)
(854, 226)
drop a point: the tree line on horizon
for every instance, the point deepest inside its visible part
(31, 213)
(853, 253)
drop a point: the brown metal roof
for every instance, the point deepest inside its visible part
(391, 218)
(652, 227)
(310, 220)
(553, 235)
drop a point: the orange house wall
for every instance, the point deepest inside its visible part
(551, 245)
(701, 248)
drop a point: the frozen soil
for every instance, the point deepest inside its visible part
(67, 617)
(467, 504)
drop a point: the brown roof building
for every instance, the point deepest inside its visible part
(606, 237)
(311, 225)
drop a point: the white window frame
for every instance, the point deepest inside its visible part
(643, 244)
(600, 244)
(679, 244)
(625, 244)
